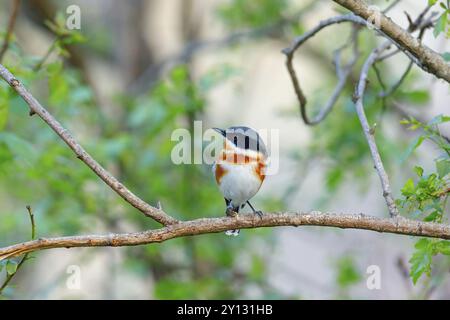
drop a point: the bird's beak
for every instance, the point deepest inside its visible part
(221, 131)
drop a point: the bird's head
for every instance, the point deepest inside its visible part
(243, 138)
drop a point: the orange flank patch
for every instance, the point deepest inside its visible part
(229, 156)
(259, 170)
(220, 172)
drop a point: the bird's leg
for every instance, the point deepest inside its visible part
(231, 211)
(257, 212)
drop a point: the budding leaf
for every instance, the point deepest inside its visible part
(408, 189)
(418, 170)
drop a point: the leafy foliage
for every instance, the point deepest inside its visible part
(427, 198)
(422, 257)
(69, 198)
(442, 23)
(132, 139)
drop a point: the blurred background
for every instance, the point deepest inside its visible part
(136, 71)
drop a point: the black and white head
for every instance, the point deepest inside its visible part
(244, 138)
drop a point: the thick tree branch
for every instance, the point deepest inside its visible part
(397, 225)
(418, 24)
(423, 56)
(174, 228)
(36, 108)
(9, 30)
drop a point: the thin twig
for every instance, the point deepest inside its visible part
(420, 23)
(388, 55)
(396, 85)
(9, 277)
(343, 74)
(9, 30)
(81, 154)
(369, 133)
(399, 225)
(404, 114)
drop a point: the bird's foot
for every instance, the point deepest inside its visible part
(259, 213)
(231, 213)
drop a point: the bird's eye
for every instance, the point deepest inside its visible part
(235, 140)
(247, 143)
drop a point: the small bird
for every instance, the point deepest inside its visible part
(240, 168)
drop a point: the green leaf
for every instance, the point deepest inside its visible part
(421, 260)
(443, 167)
(405, 121)
(431, 2)
(442, 247)
(418, 170)
(408, 189)
(11, 267)
(432, 216)
(440, 24)
(415, 96)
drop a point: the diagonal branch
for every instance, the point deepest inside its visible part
(9, 30)
(36, 108)
(426, 58)
(398, 225)
(369, 132)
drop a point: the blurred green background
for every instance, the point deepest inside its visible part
(134, 73)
